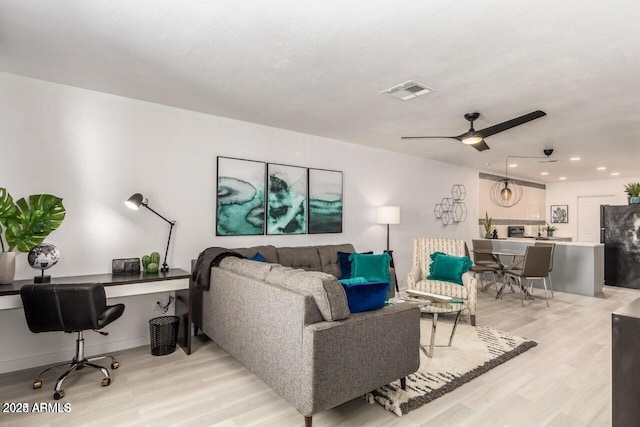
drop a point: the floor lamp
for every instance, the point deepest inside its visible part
(134, 202)
(388, 215)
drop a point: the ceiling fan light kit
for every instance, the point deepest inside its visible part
(475, 138)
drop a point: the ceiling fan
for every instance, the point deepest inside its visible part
(475, 138)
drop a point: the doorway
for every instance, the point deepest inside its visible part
(589, 216)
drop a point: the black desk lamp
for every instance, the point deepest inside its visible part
(389, 215)
(134, 202)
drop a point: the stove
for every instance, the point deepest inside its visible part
(515, 231)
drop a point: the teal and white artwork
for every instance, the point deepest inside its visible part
(286, 199)
(325, 201)
(240, 197)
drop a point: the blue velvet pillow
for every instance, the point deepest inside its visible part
(258, 257)
(374, 268)
(363, 295)
(345, 264)
(448, 268)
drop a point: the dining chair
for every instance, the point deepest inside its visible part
(484, 263)
(535, 266)
(553, 248)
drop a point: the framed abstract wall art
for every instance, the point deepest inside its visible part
(560, 214)
(240, 201)
(286, 199)
(325, 201)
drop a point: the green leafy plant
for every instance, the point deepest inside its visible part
(488, 223)
(28, 223)
(551, 228)
(633, 189)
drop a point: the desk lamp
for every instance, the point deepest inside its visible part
(134, 202)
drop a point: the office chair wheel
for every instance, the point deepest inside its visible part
(59, 394)
(106, 382)
(115, 364)
(37, 384)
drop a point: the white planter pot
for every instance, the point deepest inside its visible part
(7, 267)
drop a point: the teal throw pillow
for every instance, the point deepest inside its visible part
(448, 268)
(374, 268)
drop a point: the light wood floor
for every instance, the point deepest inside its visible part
(564, 381)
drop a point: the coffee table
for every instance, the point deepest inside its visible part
(435, 309)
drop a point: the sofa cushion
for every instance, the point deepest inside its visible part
(245, 267)
(270, 253)
(363, 295)
(448, 268)
(327, 292)
(374, 268)
(329, 257)
(258, 257)
(305, 257)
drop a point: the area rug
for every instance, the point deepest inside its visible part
(475, 350)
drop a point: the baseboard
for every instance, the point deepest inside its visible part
(67, 355)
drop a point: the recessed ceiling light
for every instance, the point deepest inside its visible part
(513, 165)
(562, 178)
(602, 168)
(574, 159)
(615, 173)
(407, 90)
(544, 173)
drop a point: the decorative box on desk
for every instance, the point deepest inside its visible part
(116, 286)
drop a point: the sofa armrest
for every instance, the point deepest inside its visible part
(413, 277)
(350, 357)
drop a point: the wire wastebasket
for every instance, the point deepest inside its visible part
(164, 334)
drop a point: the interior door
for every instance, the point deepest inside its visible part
(589, 216)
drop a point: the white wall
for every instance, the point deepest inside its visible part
(567, 193)
(94, 150)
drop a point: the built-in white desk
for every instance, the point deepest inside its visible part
(115, 285)
(578, 268)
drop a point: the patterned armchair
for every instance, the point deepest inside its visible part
(417, 279)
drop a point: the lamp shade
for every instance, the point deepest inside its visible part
(134, 201)
(388, 215)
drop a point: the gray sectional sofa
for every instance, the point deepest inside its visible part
(288, 321)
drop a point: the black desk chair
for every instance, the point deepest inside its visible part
(70, 308)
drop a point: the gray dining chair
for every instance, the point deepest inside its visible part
(553, 248)
(535, 266)
(484, 264)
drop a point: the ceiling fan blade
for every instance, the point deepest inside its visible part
(481, 146)
(501, 127)
(429, 137)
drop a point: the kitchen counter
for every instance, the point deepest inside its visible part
(578, 267)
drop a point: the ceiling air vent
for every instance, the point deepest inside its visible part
(407, 90)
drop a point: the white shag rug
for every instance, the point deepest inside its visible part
(474, 351)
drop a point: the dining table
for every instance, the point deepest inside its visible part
(516, 259)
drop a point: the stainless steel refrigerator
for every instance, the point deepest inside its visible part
(620, 233)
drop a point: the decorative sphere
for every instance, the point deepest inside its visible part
(43, 256)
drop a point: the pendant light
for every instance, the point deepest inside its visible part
(506, 192)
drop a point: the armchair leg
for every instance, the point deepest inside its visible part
(403, 383)
(472, 317)
(307, 421)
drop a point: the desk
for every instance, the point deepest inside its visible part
(116, 286)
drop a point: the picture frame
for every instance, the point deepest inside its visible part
(559, 214)
(286, 209)
(240, 197)
(325, 201)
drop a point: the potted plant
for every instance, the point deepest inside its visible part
(25, 224)
(488, 226)
(550, 230)
(633, 191)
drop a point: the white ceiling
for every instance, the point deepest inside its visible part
(318, 67)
